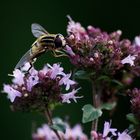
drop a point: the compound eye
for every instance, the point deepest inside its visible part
(58, 42)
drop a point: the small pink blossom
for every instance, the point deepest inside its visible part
(45, 70)
(94, 134)
(18, 77)
(66, 81)
(12, 93)
(26, 67)
(108, 129)
(69, 50)
(129, 60)
(33, 79)
(75, 28)
(124, 136)
(76, 133)
(55, 70)
(46, 133)
(71, 95)
(137, 41)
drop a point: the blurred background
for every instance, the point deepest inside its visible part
(16, 38)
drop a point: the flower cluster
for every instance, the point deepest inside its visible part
(38, 89)
(110, 133)
(46, 133)
(105, 57)
(135, 101)
(76, 133)
(99, 51)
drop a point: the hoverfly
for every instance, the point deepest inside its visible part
(44, 42)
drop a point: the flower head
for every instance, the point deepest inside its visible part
(38, 89)
(110, 134)
(97, 51)
(135, 101)
(46, 133)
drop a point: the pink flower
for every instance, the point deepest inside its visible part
(69, 50)
(137, 41)
(46, 133)
(66, 81)
(108, 129)
(18, 77)
(71, 95)
(94, 134)
(33, 79)
(129, 60)
(77, 133)
(12, 93)
(55, 70)
(75, 28)
(26, 67)
(45, 70)
(124, 136)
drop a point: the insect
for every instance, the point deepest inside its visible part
(44, 42)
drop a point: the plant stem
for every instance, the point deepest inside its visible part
(96, 101)
(50, 122)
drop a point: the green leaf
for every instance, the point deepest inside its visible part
(58, 125)
(117, 82)
(131, 117)
(108, 106)
(90, 113)
(103, 77)
(81, 74)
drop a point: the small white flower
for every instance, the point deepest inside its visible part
(107, 129)
(55, 70)
(71, 95)
(137, 41)
(33, 79)
(18, 77)
(26, 67)
(12, 93)
(69, 50)
(77, 133)
(45, 132)
(129, 60)
(66, 81)
(124, 136)
(45, 70)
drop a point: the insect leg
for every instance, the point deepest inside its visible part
(60, 53)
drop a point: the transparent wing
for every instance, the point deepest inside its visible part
(38, 30)
(24, 59)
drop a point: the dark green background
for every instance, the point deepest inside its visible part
(16, 38)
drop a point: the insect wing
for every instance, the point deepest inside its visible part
(24, 59)
(38, 30)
